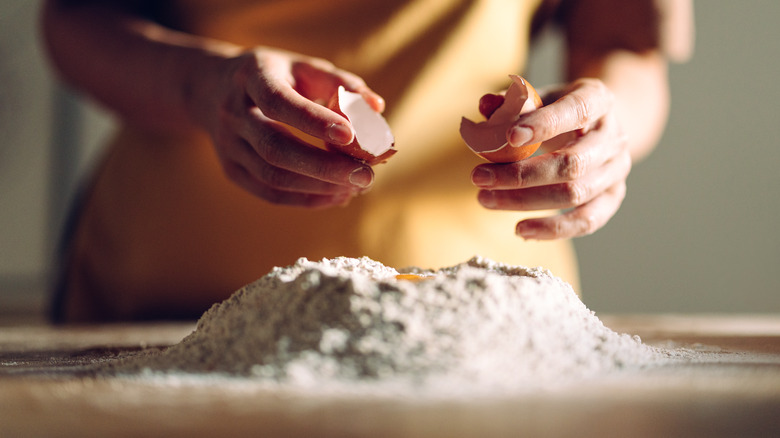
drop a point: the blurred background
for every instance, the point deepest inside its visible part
(698, 231)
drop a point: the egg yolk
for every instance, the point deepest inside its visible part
(411, 277)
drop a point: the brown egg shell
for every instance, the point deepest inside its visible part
(354, 149)
(488, 138)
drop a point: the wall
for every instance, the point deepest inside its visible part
(35, 114)
(699, 228)
(697, 232)
(24, 119)
(25, 109)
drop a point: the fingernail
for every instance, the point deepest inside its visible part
(487, 198)
(519, 135)
(525, 232)
(340, 134)
(483, 177)
(379, 103)
(361, 177)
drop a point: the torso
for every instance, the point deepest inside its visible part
(161, 217)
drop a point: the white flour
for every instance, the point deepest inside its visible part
(347, 322)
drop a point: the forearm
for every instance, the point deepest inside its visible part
(640, 86)
(150, 75)
(627, 45)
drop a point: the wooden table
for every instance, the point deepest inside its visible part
(44, 392)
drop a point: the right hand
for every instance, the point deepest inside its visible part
(257, 94)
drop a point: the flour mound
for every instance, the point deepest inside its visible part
(479, 324)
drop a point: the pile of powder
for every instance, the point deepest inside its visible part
(346, 321)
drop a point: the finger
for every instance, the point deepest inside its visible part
(585, 102)
(280, 149)
(562, 195)
(552, 92)
(577, 222)
(261, 173)
(319, 80)
(239, 175)
(580, 156)
(489, 103)
(279, 101)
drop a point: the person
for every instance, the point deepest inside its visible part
(214, 176)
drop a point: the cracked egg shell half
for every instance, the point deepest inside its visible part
(488, 139)
(374, 142)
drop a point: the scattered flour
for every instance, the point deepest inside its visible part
(347, 322)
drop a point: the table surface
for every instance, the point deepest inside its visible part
(44, 391)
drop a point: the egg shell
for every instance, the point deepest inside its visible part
(488, 138)
(373, 142)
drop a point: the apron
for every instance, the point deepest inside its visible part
(162, 232)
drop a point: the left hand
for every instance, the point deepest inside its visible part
(582, 171)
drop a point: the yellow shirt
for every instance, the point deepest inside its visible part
(161, 221)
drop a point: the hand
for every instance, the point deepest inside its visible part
(582, 171)
(262, 92)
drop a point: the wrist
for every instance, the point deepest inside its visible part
(204, 71)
